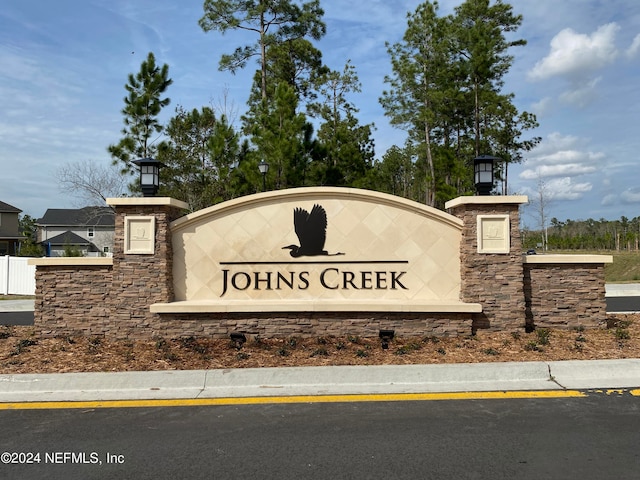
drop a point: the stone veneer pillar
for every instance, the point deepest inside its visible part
(491, 263)
(141, 278)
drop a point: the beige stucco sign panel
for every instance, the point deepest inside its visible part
(139, 234)
(378, 248)
(493, 234)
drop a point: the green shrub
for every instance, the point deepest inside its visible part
(543, 335)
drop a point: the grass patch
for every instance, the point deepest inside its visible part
(408, 348)
(542, 335)
(22, 345)
(624, 269)
(490, 351)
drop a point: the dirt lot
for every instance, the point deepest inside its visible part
(22, 351)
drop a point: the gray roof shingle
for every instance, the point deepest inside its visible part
(6, 208)
(68, 238)
(93, 216)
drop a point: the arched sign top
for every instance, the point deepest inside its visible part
(321, 245)
(303, 193)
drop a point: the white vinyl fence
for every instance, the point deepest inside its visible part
(16, 276)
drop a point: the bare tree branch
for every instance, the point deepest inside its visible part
(90, 183)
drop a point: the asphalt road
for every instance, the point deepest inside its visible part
(623, 304)
(614, 304)
(570, 438)
(16, 318)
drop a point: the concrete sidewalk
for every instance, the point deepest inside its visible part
(622, 289)
(17, 305)
(343, 380)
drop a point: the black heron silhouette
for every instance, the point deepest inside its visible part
(311, 229)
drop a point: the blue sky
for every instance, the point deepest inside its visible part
(65, 63)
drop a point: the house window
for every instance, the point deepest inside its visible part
(90, 232)
(105, 249)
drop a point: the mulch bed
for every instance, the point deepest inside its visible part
(23, 351)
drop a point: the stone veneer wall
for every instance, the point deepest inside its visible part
(310, 324)
(491, 279)
(73, 299)
(115, 299)
(564, 295)
(76, 300)
(140, 280)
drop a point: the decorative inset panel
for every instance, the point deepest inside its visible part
(493, 234)
(139, 234)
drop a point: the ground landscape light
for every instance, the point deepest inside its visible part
(238, 339)
(385, 337)
(149, 175)
(483, 174)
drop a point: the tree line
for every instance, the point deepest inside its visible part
(445, 89)
(590, 234)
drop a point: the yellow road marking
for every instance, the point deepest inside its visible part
(198, 402)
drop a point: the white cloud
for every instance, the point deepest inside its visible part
(561, 155)
(543, 106)
(565, 155)
(558, 162)
(558, 189)
(631, 195)
(634, 48)
(581, 95)
(573, 54)
(566, 189)
(555, 142)
(571, 169)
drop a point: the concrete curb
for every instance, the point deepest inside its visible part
(343, 380)
(622, 289)
(54, 387)
(352, 380)
(587, 374)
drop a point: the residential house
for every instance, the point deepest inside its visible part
(90, 230)
(10, 237)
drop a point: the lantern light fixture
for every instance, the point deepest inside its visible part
(264, 168)
(149, 175)
(483, 174)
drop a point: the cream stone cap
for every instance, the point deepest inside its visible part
(567, 259)
(150, 201)
(70, 261)
(487, 200)
(257, 306)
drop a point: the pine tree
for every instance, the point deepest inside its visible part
(446, 91)
(278, 134)
(142, 108)
(348, 147)
(276, 22)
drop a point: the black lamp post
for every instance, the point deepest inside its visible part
(483, 173)
(149, 175)
(264, 168)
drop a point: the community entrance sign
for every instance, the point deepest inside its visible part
(323, 248)
(317, 261)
